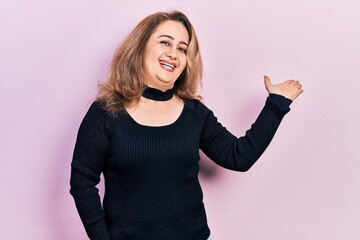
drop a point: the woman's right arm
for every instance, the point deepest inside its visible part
(87, 164)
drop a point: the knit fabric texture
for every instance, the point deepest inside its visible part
(152, 191)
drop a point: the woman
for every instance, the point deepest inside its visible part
(144, 132)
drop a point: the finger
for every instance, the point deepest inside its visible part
(267, 81)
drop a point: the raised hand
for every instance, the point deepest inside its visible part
(290, 89)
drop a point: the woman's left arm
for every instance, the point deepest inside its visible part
(240, 154)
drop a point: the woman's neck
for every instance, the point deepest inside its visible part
(157, 94)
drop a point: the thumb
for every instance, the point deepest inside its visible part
(267, 81)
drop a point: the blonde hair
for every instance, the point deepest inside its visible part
(125, 81)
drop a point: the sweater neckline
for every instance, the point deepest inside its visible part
(169, 125)
(157, 95)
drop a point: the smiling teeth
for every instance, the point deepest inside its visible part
(167, 65)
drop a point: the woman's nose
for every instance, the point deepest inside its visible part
(172, 53)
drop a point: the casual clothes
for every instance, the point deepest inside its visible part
(152, 189)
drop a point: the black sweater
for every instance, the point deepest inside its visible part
(152, 191)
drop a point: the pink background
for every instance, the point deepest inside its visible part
(305, 186)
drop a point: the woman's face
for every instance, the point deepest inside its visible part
(165, 55)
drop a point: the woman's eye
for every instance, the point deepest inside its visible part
(166, 43)
(183, 50)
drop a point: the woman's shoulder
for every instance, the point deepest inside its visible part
(96, 109)
(96, 112)
(197, 106)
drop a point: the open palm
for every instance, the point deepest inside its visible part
(290, 89)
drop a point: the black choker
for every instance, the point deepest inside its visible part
(157, 95)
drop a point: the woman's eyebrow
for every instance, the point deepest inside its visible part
(172, 38)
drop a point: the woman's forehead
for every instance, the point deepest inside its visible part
(172, 29)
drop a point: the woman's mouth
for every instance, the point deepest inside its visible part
(167, 66)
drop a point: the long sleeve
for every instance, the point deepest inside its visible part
(240, 154)
(87, 164)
